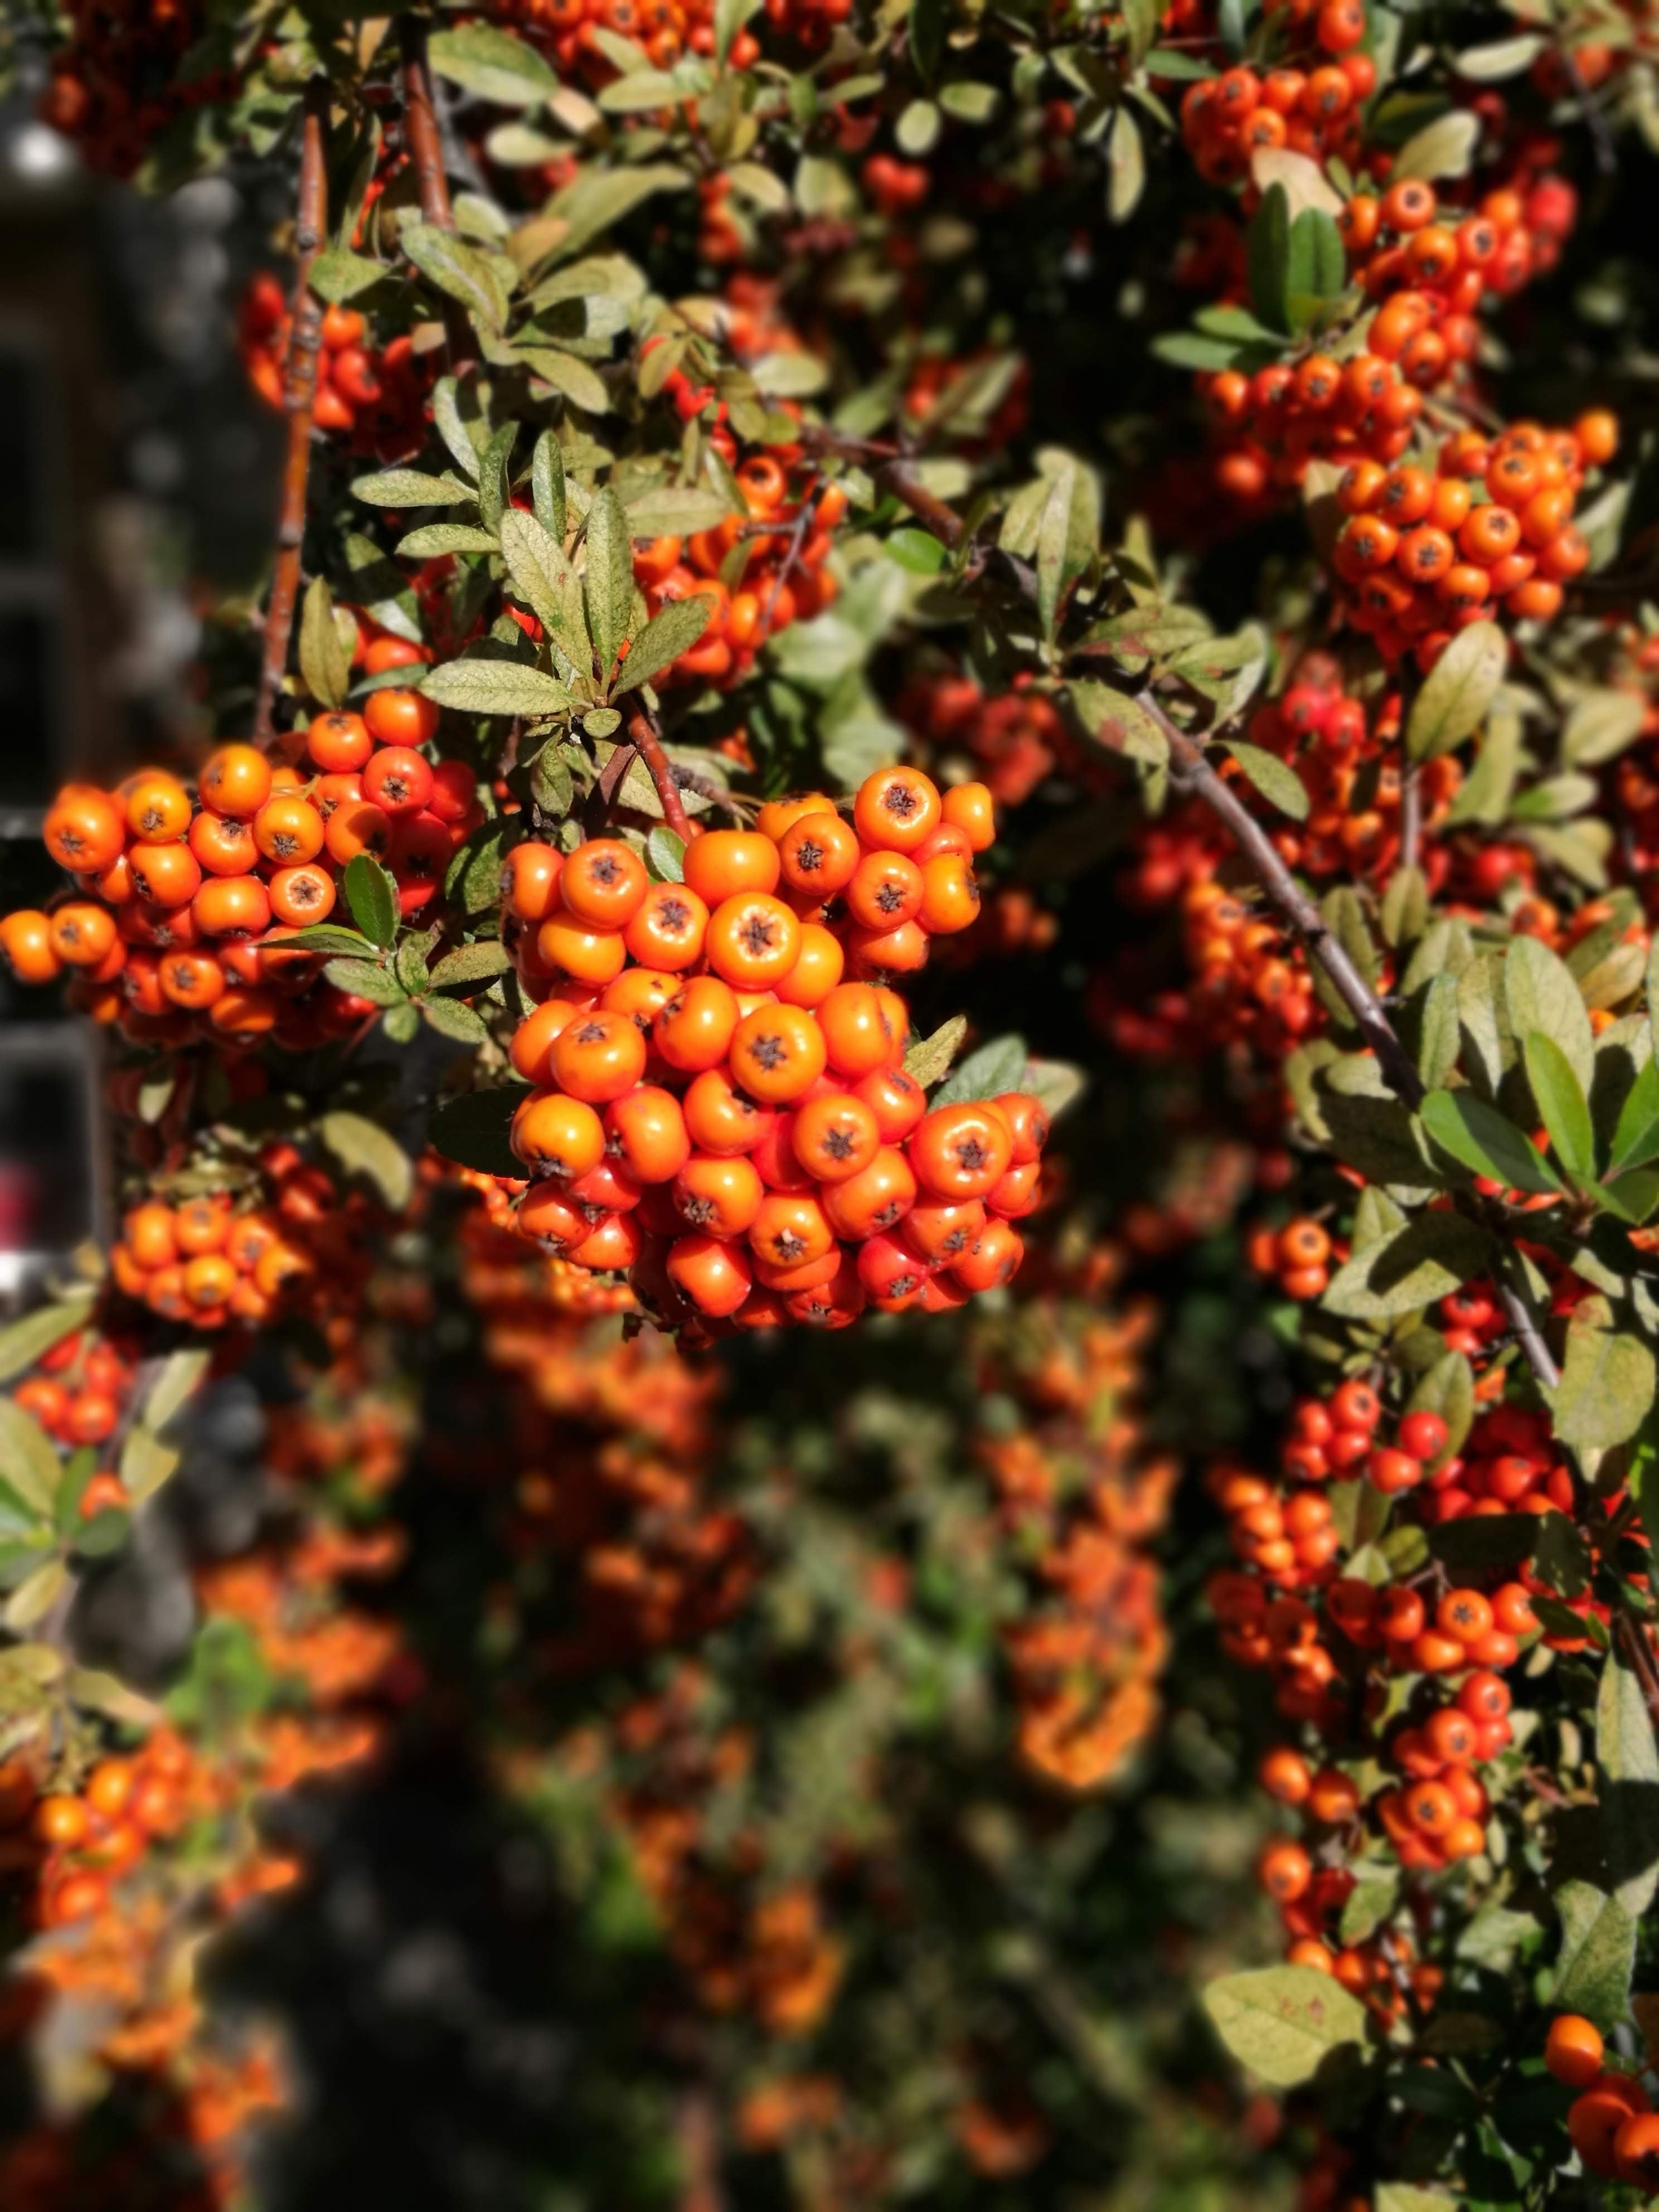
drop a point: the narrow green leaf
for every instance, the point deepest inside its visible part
(547, 486)
(1457, 691)
(608, 583)
(372, 897)
(1562, 1104)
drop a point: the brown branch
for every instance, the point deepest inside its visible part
(426, 151)
(1191, 772)
(642, 735)
(299, 394)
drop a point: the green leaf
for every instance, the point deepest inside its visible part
(665, 855)
(1542, 994)
(608, 583)
(453, 1018)
(95, 1692)
(675, 511)
(1446, 1388)
(1053, 544)
(181, 1376)
(28, 1464)
(146, 1463)
(409, 488)
(1317, 268)
(547, 486)
(337, 275)
(325, 657)
(1499, 58)
(929, 1062)
(1636, 1135)
(544, 580)
(917, 550)
(1276, 779)
(34, 1598)
(480, 685)
(435, 537)
(372, 897)
(325, 937)
(1439, 1036)
(927, 26)
(1126, 163)
(1119, 721)
(1600, 725)
(1369, 1904)
(104, 1532)
(1607, 1380)
(459, 271)
(471, 964)
(1561, 1103)
(25, 1340)
(994, 1069)
(672, 630)
(364, 978)
(471, 1130)
(1457, 692)
(363, 1148)
(1484, 1543)
(1598, 1954)
(578, 379)
(1268, 260)
(493, 65)
(1055, 1085)
(1283, 2022)
(1628, 1758)
(1416, 1265)
(1441, 149)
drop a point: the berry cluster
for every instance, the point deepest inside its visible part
(1226, 119)
(1611, 2121)
(716, 1111)
(121, 76)
(225, 1257)
(1425, 551)
(375, 395)
(183, 898)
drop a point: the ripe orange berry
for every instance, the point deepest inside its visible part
(530, 881)
(722, 863)
(557, 1135)
(84, 829)
(835, 1137)
(1573, 2050)
(236, 779)
(877, 1197)
(646, 1132)
(158, 808)
(599, 1057)
(961, 1151)
(577, 949)
(817, 969)
(714, 1275)
(302, 894)
(857, 1032)
(720, 1196)
(817, 855)
(719, 1118)
(339, 743)
(884, 890)
(668, 927)
(603, 883)
(752, 940)
(791, 1230)
(896, 808)
(397, 717)
(1285, 1871)
(288, 829)
(694, 1031)
(971, 808)
(777, 1053)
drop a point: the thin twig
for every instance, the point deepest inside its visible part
(1191, 772)
(299, 393)
(643, 735)
(426, 150)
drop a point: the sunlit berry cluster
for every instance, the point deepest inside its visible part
(1488, 528)
(183, 897)
(717, 1111)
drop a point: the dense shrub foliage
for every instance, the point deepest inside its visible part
(852, 583)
